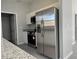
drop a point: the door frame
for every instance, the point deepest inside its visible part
(14, 22)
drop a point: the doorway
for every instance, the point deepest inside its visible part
(9, 27)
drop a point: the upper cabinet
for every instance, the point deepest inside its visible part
(28, 17)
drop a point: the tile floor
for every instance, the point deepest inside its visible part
(33, 51)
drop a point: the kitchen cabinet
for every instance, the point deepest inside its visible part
(28, 18)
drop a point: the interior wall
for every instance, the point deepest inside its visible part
(74, 11)
(66, 28)
(20, 9)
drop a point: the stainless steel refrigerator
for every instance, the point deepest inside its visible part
(47, 24)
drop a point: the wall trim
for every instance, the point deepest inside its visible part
(19, 43)
(68, 55)
(8, 12)
(15, 21)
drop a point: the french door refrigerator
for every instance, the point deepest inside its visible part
(47, 24)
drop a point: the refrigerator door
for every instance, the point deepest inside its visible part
(47, 34)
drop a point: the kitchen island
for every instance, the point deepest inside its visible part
(11, 51)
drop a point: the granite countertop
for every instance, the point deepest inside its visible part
(10, 51)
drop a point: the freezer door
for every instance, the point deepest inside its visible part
(40, 44)
(40, 36)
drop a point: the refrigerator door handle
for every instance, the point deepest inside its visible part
(42, 27)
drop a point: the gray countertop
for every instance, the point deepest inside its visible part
(10, 51)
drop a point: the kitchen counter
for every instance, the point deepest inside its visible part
(10, 51)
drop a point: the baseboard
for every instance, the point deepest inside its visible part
(69, 55)
(20, 43)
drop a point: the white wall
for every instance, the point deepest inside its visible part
(74, 11)
(20, 9)
(66, 28)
